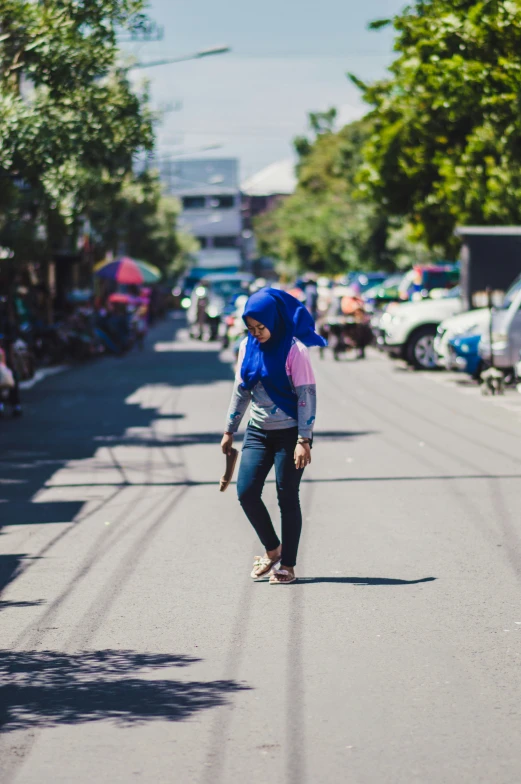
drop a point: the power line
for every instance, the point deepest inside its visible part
(288, 55)
(311, 55)
(259, 133)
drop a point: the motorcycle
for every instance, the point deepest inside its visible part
(232, 327)
(346, 326)
(50, 344)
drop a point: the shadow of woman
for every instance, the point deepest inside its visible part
(364, 580)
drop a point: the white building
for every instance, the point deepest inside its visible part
(262, 193)
(211, 207)
(278, 179)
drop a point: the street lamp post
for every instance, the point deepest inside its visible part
(194, 56)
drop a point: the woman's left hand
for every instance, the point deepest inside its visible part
(302, 455)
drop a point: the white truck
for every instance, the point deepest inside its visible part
(409, 330)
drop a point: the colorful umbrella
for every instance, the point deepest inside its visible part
(129, 271)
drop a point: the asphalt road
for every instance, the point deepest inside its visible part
(136, 648)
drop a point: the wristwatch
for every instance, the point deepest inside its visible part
(302, 440)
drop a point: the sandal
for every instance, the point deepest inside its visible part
(265, 565)
(282, 577)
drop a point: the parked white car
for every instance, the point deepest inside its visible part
(409, 331)
(470, 321)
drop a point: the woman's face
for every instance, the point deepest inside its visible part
(258, 330)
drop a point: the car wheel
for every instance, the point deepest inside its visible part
(477, 373)
(420, 349)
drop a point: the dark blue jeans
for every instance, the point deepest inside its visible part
(262, 450)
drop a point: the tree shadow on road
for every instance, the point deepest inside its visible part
(70, 416)
(196, 439)
(50, 688)
(10, 566)
(341, 435)
(363, 580)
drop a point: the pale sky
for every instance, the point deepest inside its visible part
(289, 57)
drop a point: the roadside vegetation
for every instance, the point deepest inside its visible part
(439, 147)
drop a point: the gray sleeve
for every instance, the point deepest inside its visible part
(238, 406)
(307, 409)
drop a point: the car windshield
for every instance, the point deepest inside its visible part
(454, 293)
(229, 288)
(388, 283)
(366, 282)
(439, 279)
(393, 281)
(511, 293)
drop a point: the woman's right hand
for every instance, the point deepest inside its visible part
(227, 443)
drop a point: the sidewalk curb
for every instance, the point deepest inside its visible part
(42, 374)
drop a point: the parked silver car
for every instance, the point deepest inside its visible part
(506, 332)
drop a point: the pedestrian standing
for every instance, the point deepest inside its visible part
(274, 375)
(311, 292)
(141, 326)
(8, 336)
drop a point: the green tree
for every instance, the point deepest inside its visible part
(68, 116)
(325, 226)
(141, 221)
(446, 142)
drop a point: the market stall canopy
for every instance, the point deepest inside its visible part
(127, 299)
(128, 271)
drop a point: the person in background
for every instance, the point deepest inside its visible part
(141, 325)
(311, 292)
(154, 306)
(117, 325)
(274, 374)
(202, 304)
(8, 335)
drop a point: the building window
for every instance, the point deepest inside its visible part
(203, 241)
(222, 202)
(194, 202)
(225, 242)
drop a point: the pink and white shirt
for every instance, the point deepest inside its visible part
(264, 413)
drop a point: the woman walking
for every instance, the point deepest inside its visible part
(274, 374)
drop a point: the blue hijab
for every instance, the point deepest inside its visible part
(286, 319)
